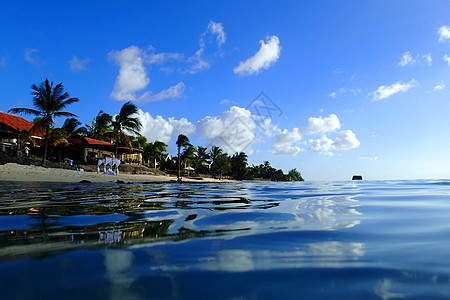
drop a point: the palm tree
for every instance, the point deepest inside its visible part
(48, 101)
(72, 127)
(99, 129)
(215, 152)
(125, 121)
(182, 141)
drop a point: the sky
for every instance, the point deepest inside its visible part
(331, 88)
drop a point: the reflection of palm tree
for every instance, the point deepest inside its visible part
(48, 100)
(125, 121)
(182, 141)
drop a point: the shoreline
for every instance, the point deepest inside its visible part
(13, 172)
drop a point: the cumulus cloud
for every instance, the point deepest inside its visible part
(386, 91)
(322, 145)
(444, 33)
(267, 55)
(233, 130)
(323, 125)
(345, 140)
(77, 64)
(284, 142)
(439, 86)
(132, 74)
(160, 129)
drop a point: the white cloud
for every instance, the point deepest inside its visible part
(322, 145)
(266, 56)
(439, 86)
(322, 125)
(160, 58)
(386, 91)
(447, 59)
(160, 129)
(175, 91)
(217, 29)
(31, 56)
(233, 130)
(132, 74)
(346, 140)
(344, 90)
(444, 33)
(196, 61)
(428, 59)
(284, 142)
(368, 158)
(77, 64)
(406, 59)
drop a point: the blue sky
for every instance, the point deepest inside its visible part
(330, 88)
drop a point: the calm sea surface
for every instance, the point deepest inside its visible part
(337, 240)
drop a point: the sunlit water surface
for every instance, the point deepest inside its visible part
(338, 240)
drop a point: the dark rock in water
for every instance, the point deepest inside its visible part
(357, 177)
(85, 181)
(120, 182)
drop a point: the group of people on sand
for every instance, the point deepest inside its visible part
(25, 150)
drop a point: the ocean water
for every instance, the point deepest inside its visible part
(292, 240)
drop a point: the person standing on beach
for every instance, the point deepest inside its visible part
(26, 150)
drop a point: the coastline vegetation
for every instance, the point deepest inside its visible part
(124, 128)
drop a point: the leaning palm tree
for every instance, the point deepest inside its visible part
(182, 141)
(48, 101)
(125, 121)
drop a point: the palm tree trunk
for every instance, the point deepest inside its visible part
(179, 162)
(47, 128)
(117, 150)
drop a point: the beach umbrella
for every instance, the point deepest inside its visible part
(189, 169)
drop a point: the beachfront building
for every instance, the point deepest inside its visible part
(88, 150)
(11, 127)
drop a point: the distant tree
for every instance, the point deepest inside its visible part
(221, 165)
(215, 152)
(125, 121)
(182, 141)
(49, 101)
(100, 128)
(295, 175)
(73, 128)
(239, 165)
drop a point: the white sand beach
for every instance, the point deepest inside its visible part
(16, 172)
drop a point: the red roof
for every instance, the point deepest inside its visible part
(15, 122)
(87, 141)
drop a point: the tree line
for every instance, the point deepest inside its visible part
(50, 101)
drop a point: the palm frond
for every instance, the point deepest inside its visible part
(26, 111)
